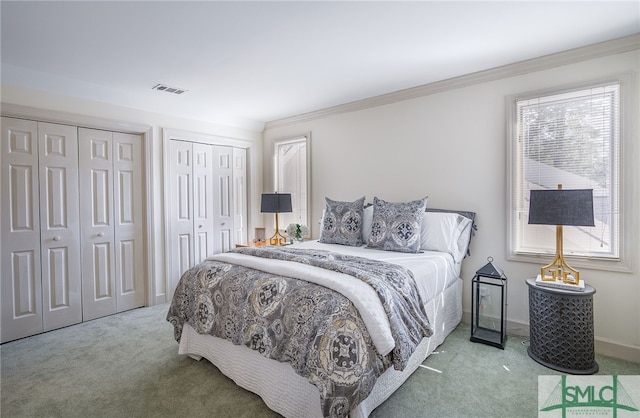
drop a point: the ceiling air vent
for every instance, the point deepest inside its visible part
(162, 87)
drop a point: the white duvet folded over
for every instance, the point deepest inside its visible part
(433, 272)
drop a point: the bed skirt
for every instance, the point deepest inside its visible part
(290, 394)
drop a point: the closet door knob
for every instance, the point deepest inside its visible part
(223, 223)
(199, 226)
(56, 238)
(100, 234)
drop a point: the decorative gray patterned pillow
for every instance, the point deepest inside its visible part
(342, 222)
(396, 226)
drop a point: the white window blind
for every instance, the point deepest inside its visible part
(571, 139)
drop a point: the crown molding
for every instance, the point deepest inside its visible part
(66, 118)
(612, 47)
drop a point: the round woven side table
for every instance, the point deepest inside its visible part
(561, 328)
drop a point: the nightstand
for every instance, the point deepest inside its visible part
(561, 328)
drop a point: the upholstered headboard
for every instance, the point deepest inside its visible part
(466, 214)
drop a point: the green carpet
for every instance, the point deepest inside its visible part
(127, 365)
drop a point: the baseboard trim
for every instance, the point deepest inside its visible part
(614, 349)
(161, 298)
(603, 346)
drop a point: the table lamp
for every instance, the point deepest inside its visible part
(276, 203)
(561, 207)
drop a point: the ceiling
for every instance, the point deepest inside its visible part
(247, 63)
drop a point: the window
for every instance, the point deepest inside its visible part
(571, 138)
(291, 170)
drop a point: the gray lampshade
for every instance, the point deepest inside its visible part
(276, 203)
(561, 207)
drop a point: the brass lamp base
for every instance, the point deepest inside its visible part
(277, 238)
(559, 269)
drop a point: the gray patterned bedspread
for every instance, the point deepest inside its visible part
(315, 329)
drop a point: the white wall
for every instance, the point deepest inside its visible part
(112, 117)
(451, 146)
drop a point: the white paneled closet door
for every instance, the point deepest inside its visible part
(223, 198)
(128, 199)
(96, 212)
(206, 203)
(111, 217)
(191, 208)
(180, 211)
(240, 195)
(59, 225)
(41, 278)
(21, 273)
(203, 206)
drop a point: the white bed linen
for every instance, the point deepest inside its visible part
(434, 271)
(363, 296)
(292, 395)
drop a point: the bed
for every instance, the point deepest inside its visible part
(329, 327)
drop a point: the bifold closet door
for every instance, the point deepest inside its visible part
(203, 207)
(223, 198)
(111, 216)
(191, 206)
(240, 195)
(129, 237)
(21, 272)
(41, 284)
(180, 245)
(207, 203)
(59, 225)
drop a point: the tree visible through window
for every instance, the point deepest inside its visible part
(570, 139)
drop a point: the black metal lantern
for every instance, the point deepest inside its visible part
(489, 306)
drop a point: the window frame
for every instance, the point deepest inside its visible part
(276, 172)
(626, 240)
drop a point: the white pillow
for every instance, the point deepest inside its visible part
(367, 220)
(445, 232)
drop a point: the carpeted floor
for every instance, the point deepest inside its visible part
(127, 365)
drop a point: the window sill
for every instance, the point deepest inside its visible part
(617, 265)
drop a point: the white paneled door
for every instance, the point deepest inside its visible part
(240, 195)
(223, 198)
(41, 282)
(72, 225)
(128, 238)
(181, 203)
(111, 217)
(201, 204)
(21, 272)
(96, 208)
(59, 225)
(203, 227)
